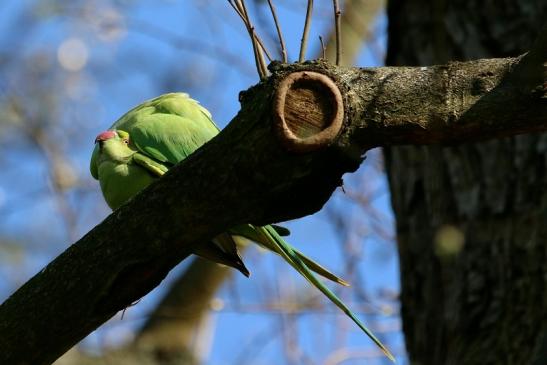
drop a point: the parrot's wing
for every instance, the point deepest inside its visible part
(93, 165)
(213, 252)
(153, 166)
(282, 231)
(287, 252)
(227, 244)
(250, 232)
(168, 138)
(168, 128)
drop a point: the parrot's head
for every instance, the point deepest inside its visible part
(110, 146)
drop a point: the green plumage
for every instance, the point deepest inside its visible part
(148, 140)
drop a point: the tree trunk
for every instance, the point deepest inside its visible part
(470, 218)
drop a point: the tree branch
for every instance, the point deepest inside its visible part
(448, 104)
(132, 250)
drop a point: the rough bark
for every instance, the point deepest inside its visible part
(483, 303)
(131, 251)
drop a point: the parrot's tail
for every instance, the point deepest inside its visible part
(289, 254)
(252, 233)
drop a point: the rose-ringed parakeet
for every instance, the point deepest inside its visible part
(151, 138)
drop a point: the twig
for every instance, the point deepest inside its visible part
(261, 44)
(338, 34)
(258, 46)
(236, 9)
(240, 8)
(304, 42)
(323, 54)
(258, 55)
(254, 36)
(255, 39)
(279, 34)
(239, 11)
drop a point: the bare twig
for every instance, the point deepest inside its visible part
(236, 9)
(258, 64)
(240, 8)
(323, 48)
(338, 34)
(262, 46)
(242, 12)
(255, 38)
(304, 42)
(258, 55)
(258, 46)
(284, 56)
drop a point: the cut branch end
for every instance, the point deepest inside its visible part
(308, 111)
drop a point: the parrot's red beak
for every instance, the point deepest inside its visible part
(106, 135)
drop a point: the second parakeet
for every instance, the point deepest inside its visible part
(151, 138)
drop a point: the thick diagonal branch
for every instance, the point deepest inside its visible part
(246, 174)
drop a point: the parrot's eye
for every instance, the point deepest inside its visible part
(126, 141)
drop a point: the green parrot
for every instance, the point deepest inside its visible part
(151, 138)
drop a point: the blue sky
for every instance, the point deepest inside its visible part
(157, 47)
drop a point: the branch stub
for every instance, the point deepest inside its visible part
(308, 111)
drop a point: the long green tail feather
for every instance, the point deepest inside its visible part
(250, 232)
(287, 252)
